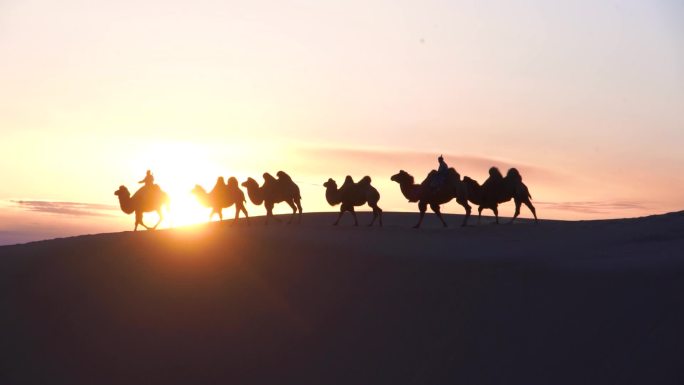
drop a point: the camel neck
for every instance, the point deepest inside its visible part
(409, 190)
(255, 195)
(204, 198)
(126, 204)
(332, 196)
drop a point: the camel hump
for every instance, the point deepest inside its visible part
(429, 178)
(268, 177)
(514, 175)
(366, 180)
(495, 173)
(453, 173)
(283, 176)
(348, 181)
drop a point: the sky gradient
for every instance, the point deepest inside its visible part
(584, 98)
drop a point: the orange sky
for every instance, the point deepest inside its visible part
(584, 98)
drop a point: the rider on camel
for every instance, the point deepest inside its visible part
(148, 179)
(441, 175)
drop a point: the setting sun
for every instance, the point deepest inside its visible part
(177, 167)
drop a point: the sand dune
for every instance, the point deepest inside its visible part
(595, 302)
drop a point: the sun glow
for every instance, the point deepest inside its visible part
(177, 167)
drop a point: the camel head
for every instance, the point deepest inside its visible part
(122, 192)
(402, 177)
(250, 183)
(330, 183)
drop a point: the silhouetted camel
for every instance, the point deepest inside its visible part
(222, 196)
(146, 199)
(274, 191)
(353, 194)
(426, 195)
(498, 189)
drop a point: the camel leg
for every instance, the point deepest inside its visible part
(422, 207)
(435, 208)
(298, 202)
(216, 211)
(375, 216)
(339, 217)
(139, 220)
(467, 208)
(479, 214)
(356, 221)
(495, 209)
(531, 207)
(294, 210)
(244, 211)
(376, 212)
(237, 213)
(517, 211)
(161, 217)
(269, 212)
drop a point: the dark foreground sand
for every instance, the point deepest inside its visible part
(555, 303)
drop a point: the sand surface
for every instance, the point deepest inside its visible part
(596, 302)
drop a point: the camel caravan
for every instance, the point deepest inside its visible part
(438, 188)
(445, 184)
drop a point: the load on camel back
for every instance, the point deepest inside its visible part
(437, 180)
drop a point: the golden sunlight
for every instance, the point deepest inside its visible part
(177, 168)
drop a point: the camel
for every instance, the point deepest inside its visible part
(146, 199)
(274, 191)
(498, 189)
(426, 195)
(222, 196)
(353, 194)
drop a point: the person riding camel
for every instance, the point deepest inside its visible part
(149, 185)
(148, 179)
(441, 175)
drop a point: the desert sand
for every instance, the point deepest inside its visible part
(592, 302)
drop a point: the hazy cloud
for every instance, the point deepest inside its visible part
(66, 208)
(342, 160)
(594, 207)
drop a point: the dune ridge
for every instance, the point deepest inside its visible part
(592, 302)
